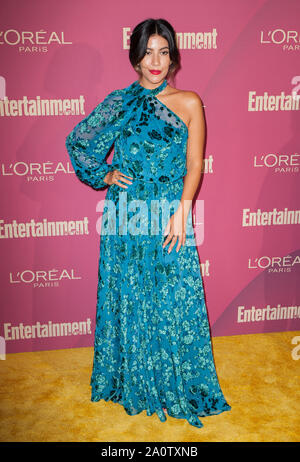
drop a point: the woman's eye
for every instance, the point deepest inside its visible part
(163, 52)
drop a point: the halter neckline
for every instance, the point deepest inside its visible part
(152, 91)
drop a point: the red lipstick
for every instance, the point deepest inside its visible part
(155, 72)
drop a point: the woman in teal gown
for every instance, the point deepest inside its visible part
(152, 347)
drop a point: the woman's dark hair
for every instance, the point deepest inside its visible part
(139, 40)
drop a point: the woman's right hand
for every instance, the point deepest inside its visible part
(115, 177)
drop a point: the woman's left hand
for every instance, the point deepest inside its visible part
(176, 229)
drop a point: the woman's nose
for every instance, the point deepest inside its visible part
(155, 60)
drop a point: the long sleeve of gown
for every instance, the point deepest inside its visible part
(91, 139)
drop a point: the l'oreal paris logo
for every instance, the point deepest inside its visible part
(288, 38)
(281, 163)
(275, 264)
(35, 171)
(42, 278)
(24, 39)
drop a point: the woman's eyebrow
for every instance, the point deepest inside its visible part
(148, 48)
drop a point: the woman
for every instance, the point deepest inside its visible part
(152, 348)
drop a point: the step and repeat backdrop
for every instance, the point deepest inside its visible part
(242, 58)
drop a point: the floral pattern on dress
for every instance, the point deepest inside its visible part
(152, 347)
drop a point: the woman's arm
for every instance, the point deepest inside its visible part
(91, 139)
(176, 227)
(195, 148)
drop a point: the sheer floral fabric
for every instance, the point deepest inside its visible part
(152, 347)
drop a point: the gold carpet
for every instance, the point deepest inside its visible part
(45, 396)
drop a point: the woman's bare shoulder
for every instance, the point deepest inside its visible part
(189, 97)
(189, 103)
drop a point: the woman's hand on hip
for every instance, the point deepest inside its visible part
(115, 177)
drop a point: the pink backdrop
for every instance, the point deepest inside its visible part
(67, 49)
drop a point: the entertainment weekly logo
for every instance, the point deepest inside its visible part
(42, 278)
(35, 172)
(268, 102)
(190, 40)
(273, 217)
(278, 162)
(288, 40)
(274, 264)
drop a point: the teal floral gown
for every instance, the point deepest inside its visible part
(152, 347)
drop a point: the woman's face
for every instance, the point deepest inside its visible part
(157, 57)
